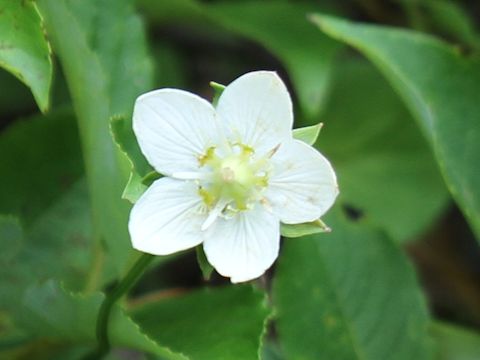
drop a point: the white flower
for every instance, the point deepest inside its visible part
(232, 174)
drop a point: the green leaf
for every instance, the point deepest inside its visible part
(44, 189)
(29, 184)
(350, 294)
(134, 188)
(18, 99)
(53, 314)
(277, 26)
(297, 230)
(202, 260)
(384, 166)
(449, 18)
(57, 245)
(220, 323)
(308, 134)
(11, 237)
(102, 49)
(454, 342)
(24, 50)
(441, 89)
(122, 132)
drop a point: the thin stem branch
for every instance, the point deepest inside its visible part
(111, 298)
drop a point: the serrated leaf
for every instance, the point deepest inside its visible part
(45, 192)
(385, 169)
(219, 323)
(57, 244)
(125, 138)
(24, 50)
(308, 134)
(122, 132)
(351, 294)
(297, 230)
(102, 49)
(441, 89)
(134, 188)
(55, 315)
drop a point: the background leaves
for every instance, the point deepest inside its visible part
(348, 294)
(384, 165)
(355, 311)
(426, 82)
(222, 323)
(114, 69)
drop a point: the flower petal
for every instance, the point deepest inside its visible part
(167, 218)
(302, 184)
(245, 246)
(173, 128)
(256, 110)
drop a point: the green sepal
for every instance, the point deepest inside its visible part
(218, 90)
(148, 179)
(205, 266)
(308, 134)
(297, 230)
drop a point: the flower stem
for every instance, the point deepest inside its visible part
(111, 298)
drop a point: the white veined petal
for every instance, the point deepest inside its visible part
(167, 218)
(302, 185)
(256, 110)
(173, 127)
(245, 246)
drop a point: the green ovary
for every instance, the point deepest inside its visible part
(237, 178)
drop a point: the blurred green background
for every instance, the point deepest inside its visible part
(397, 86)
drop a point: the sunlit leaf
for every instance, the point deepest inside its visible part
(24, 50)
(106, 66)
(441, 89)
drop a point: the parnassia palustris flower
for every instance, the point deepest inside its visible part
(232, 174)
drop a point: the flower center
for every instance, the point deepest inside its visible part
(234, 182)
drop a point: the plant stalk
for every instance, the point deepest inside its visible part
(130, 279)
